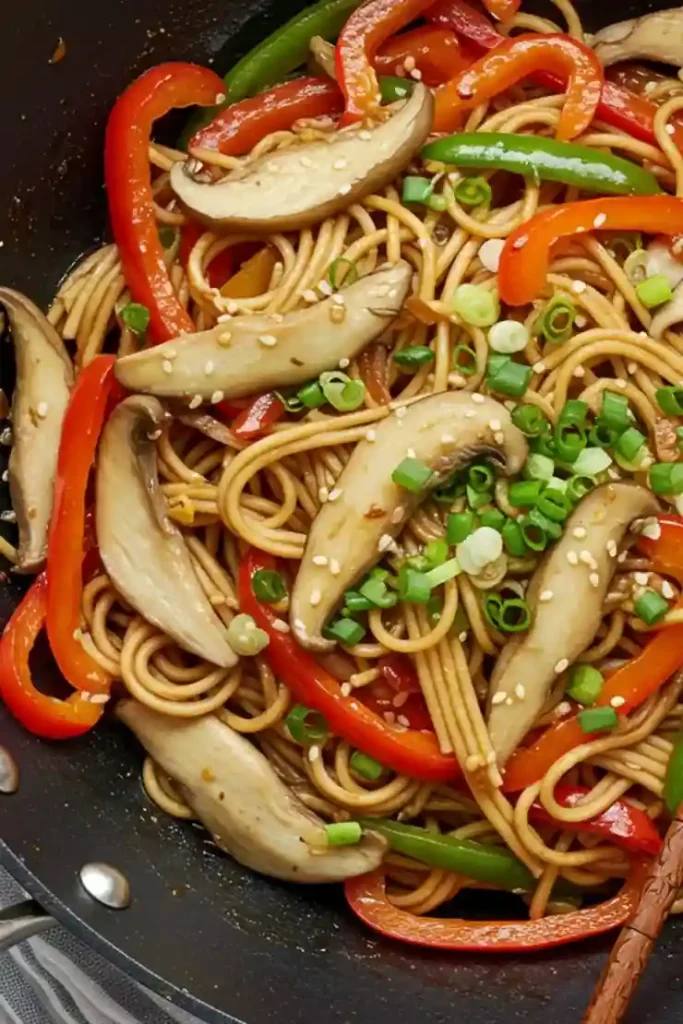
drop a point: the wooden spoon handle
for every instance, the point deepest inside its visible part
(631, 952)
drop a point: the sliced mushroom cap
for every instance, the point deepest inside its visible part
(444, 431)
(667, 315)
(235, 793)
(574, 579)
(302, 185)
(143, 552)
(41, 395)
(255, 353)
(657, 36)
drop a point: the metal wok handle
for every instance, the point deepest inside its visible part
(22, 921)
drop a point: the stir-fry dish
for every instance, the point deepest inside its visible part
(351, 471)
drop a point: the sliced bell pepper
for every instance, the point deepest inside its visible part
(618, 107)
(366, 895)
(515, 59)
(255, 418)
(526, 256)
(220, 268)
(622, 823)
(544, 160)
(253, 277)
(404, 750)
(397, 693)
(238, 128)
(373, 366)
(360, 39)
(91, 399)
(635, 681)
(47, 717)
(129, 191)
(434, 51)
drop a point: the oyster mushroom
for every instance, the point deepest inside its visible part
(367, 509)
(301, 185)
(247, 808)
(255, 353)
(322, 56)
(41, 395)
(657, 36)
(143, 552)
(574, 579)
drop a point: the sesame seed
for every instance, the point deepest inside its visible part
(316, 597)
(462, 637)
(335, 567)
(494, 424)
(309, 296)
(612, 548)
(346, 689)
(538, 367)
(389, 717)
(339, 165)
(232, 307)
(268, 340)
(41, 409)
(397, 514)
(632, 368)
(620, 383)
(385, 542)
(410, 453)
(594, 579)
(339, 301)
(470, 414)
(579, 532)
(572, 558)
(217, 396)
(456, 380)
(323, 494)
(409, 63)
(208, 367)
(667, 590)
(613, 473)
(545, 596)
(562, 666)
(334, 494)
(564, 708)
(641, 578)
(402, 720)
(344, 190)
(365, 136)
(520, 242)
(5, 476)
(580, 371)
(670, 129)
(370, 435)
(314, 754)
(477, 398)
(446, 439)
(587, 559)
(400, 412)
(325, 287)
(154, 435)
(195, 402)
(99, 698)
(465, 90)
(281, 626)
(622, 557)
(499, 437)
(343, 363)
(650, 529)
(498, 697)
(400, 699)
(599, 220)
(319, 559)
(171, 353)
(167, 366)
(617, 702)
(579, 286)
(520, 691)
(225, 338)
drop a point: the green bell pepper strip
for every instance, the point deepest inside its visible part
(546, 160)
(673, 782)
(277, 56)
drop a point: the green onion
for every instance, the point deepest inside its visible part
(412, 474)
(651, 607)
(292, 403)
(569, 440)
(443, 573)
(311, 395)
(529, 419)
(268, 586)
(136, 318)
(366, 766)
(493, 518)
(414, 356)
(621, 246)
(435, 609)
(635, 266)
(452, 489)
(492, 607)
(513, 539)
(417, 562)
(474, 191)
(615, 412)
(245, 637)
(469, 367)
(679, 437)
(574, 412)
(601, 436)
(437, 202)
(436, 552)
(514, 616)
(459, 526)
(477, 499)
(508, 336)
(346, 269)
(585, 684)
(393, 89)
(591, 461)
(509, 378)
(534, 537)
(629, 445)
(476, 305)
(344, 631)
(670, 400)
(306, 726)
(554, 505)
(598, 719)
(378, 594)
(524, 493)
(357, 602)
(550, 527)
(539, 467)
(654, 291)
(481, 477)
(341, 392)
(413, 587)
(666, 478)
(167, 235)
(556, 320)
(416, 189)
(556, 484)
(343, 833)
(544, 444)
(578, 487)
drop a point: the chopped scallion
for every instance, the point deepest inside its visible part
(524, 493)
(443, 573)
(465, 360)
(509, 378)
(414, 356)
(492, 518)
(670, 400)
(476, 305)
(306, 726)
(480, 477)
(366, 766)
(651, 607)
(539, 467)
(629, 445)
(416, 189)
(666, 478)
(556, 320)
(343, 833)
(341, 392)
(474, 191)
(345, 631)
(585, 684)
(513, 539)
(342, 271)
(268, 586)
(654, 291)
(412, 474)
(598, 719)
(311, 395)
(459, 526)
(136, 318)
(591, 461)
(614, 412)
(413, 586)
(529, 419)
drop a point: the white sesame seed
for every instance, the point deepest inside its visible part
(344, 362)
(400, 412)
(470, 414)
(579, 286)
(167, 366)
(520, 691)
(370, 435)
(651, 529)
(520, 242)
(498, 697)
(499, 437)
(220, 98)
(617, 702)
(339, 301)
(400, 699)
(670, 129)
(281, 626)
(462, 637)
(538, 367)
(641, 578)
(477, 398)
(365, 136)
(402, 720)
(314, 754)
(579, 532)
(154, 435)
(208, 367)
(195, 402)
(224, 339)
(385, 542)
(446, 439)
(335, 567)
(316, 597)
(667, 590)
(99, 698)
(319, 559)
(572, 558)
(580, 371)
(599, 220)
(232, 307)
(409, 63)
(323, 494)
(41, 409)
(561, 666)
(339, 165)
(546, 595)
(612, 548)
(5, 476)
(217, 396)
(587, 559)
(389, 717)
(563, 708)
(410, 453)
(309, 296)
(416, 74)
(344, 190)
(494, 424)
(397, 514)
(325, 287)
(334, 494)
(594, 579)
(620, 383)
(268, 340)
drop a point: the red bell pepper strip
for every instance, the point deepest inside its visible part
(623, 824)
(128, 181)
(254, 419)
(95, 391)
(221, 266)
(397, 693)
(366, 895)
(635, 681)
(618, 107)
(238, 128)
(406, 751)
(515, 59)
(526, 256)
(434, 51)
(47, 717)
(366, 29)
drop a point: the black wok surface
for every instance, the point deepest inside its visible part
(201, 930)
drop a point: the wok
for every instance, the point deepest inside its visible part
(202, 931)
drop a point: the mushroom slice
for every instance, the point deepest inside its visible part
(667, 315)
(322, 56)
(574, 579)
(657, 36)
(302, 185)
(255, 353)
(367, 509)
(143, 552)
(247, 808)
(41, 395)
